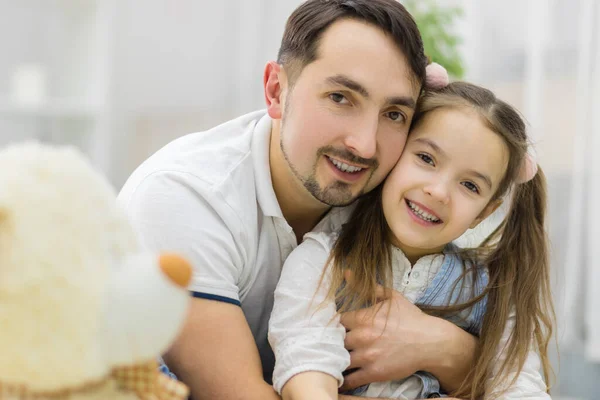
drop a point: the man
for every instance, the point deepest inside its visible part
(237, 199)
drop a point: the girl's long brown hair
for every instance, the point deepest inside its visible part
(516, 253)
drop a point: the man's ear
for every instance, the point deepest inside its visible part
(487, 211)
(275, 83)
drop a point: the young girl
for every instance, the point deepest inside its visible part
(467, 150)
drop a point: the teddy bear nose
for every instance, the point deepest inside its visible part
(177, 268)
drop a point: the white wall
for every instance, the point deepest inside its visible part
(187, 65)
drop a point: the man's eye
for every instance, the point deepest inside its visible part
(338, 98)
(396, 116)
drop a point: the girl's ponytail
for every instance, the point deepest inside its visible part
(519, 288)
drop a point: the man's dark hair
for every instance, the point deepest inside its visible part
(307, 23)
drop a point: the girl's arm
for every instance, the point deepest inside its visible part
(305, 332)
(529, 384)
(304, 329)
(311, 386)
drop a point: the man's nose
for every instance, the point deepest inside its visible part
(362, 139)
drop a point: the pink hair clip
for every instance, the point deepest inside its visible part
(528, 169)
(436, 76)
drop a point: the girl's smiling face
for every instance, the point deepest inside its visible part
(444, 182)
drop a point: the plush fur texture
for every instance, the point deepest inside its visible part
(106, 391)
(61, 233)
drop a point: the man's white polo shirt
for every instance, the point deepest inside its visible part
(209, 197)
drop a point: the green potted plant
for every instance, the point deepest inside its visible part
(437, 24)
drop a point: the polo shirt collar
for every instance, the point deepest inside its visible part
(261, 140)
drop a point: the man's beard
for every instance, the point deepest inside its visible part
(336, 194)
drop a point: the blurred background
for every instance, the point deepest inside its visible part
(120, 79)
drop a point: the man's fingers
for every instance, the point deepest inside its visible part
(355, 339)
(358, 359)
(353, 319)
(382, 293)
(348, 275)
(363, 317)
(349, 342)
(355, 379)
(348, 319)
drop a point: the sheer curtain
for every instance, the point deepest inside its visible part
(583, 328)
(543, 57)
(584, 229)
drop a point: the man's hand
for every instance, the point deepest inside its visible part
(385, 341)
(394, 339)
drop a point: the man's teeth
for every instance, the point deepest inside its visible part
(344, 167)
(422, 214)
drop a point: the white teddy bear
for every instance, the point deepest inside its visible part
(84, 310)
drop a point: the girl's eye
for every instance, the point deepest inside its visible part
(396, 116)
(426, 159)
(338, 98)
(471, 186)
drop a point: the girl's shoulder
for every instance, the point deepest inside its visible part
(317, 244)
(334, 220)
(324, 240)
(327, 231)
(466, 265)
(464, 256)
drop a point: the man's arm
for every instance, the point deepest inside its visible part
(395, 339)
(225, 364)
(450, 350)
(215, 353)
(216, 356)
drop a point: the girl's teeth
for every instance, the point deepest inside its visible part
(422, 214)
(344, 167)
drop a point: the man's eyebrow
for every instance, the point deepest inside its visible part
(343, 80)
(402, 101)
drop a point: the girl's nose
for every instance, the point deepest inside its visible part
(439, 191)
